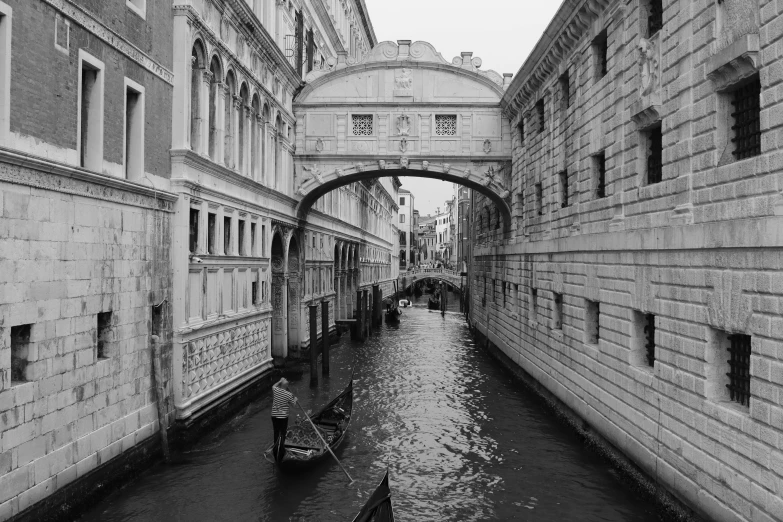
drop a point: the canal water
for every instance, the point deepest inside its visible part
(461, 438)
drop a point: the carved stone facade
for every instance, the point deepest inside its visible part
(601, 249)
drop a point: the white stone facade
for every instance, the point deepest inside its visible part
(609, 263)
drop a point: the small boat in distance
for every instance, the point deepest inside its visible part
(302, 444)
(378, 507)
(433, 303)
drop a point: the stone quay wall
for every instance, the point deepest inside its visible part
(626, 287)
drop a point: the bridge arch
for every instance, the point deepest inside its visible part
(403, 111)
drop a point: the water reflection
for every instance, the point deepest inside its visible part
(461, 439)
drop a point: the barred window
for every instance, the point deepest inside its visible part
(599, 176)
(601, 54)
(540, 112)
(654, 156)
(649, 338)
(565, 91)
(654, 17)
(445, 124)
(564, 189)
(362, 124)
(739, 369)
(521, 128)
(746, 109)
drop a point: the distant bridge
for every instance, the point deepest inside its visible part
(416, 275)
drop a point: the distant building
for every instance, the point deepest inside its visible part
(407, 232)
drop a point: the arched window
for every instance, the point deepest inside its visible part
(228, 122)
(242, 134)
(214, 107)
(196, 77)
(265, 147)
(255, 139)
(279, 129)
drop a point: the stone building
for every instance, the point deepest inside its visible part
(408, 233)
(85, 227)
(639, 281)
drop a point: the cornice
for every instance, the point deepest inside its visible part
(569, 26)
(323, 15)
(365, 17)
(33, 171)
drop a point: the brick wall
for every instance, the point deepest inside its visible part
(700, 250)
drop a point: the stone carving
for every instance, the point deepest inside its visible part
(425, 165)
(487, 146)
(381, 164)
(224, 29)
(404, 145)
(648, 64)
(403, 83)
(359, 167)
(339, 172)
(446, 168)
(505, 194)
(319, 145)
(403, 125)
(467, 173)
(489, 177)
(217, 357)
(404, 162)
(315, 174)
(240, 46)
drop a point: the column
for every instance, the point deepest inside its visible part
(313, 345)
(206, 82)
(247, 138)
(220, 122)
(236, 162)
(325, 335)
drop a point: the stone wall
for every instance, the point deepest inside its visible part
(79, 275)
(571, 294)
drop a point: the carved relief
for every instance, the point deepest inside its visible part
(487, 146)
(425, 165)
(446, 168)
(403, 125)
(381, 164)
(315, 174)
(404, 162)
(648, 65)
(404, 145)
(319, 145)
(339, 172)
(403, 83)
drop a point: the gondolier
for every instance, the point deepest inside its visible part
(281, 400)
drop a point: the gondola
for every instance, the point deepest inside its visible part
(433, 303)
(303, 447)
(378, 507)
(417, 290)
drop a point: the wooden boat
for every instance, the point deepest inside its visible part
(393, 315)
(378, 507)
(303, 446)
(433, 303)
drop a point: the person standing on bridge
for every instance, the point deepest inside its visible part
(282, 398)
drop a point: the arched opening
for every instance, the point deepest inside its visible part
(242, 102)
(265, 145)
(278, 150)
(214, 106)
(255, 137)
(229, 119)
(196, 77)
(279, 295)
(294, 298)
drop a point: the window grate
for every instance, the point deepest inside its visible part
(746, 115)
(564, 188)
(601, 51)
(739, 369)
(521, 128)
(565, 89)
(362, 124)
(649, 335)
(446, 125)
(540, 111)
(654, 157)
(540, 198)
(655, 17)
(600, 188)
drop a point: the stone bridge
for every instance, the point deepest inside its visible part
(410, 277)
(403, 111)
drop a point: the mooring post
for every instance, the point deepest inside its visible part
(313, 345)
(365, 314)
(370, 312)
(357, 326)
(377, 305)
(443, 298)
(325, 336)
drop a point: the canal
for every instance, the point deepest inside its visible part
(462, 439)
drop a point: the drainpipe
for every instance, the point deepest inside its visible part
(160, 396)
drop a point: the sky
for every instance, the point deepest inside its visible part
(500, 32)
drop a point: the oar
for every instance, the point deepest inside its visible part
(322, 440)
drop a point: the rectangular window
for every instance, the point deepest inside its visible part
(226, 236)
(565, 92)
(601, 54)
(592, 321)
(557, 313)
(445, 124)
(649, 338)
(599, 175)
(134, 130)
(655, 16)
(253, 251)
(254, 292)
(402, 201)
(503, 285)
(540, 113)
(654, 153)
(104, 334)
(521, 129)
(402, 218)
(362, 124)
(564, 189)
(241, 237)
(20, 348)
(745, 115)
(194, 226)
(211, 233)
(90, 112)
(263, 241)
(138, 6)
(540, 199)
(739, 369)
(534, 303)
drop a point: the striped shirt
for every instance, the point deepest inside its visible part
(280, 400)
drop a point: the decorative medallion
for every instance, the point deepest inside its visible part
(446, 168)
(339, 172)
(319, 145)
(404, 145)
(487, 146)
(381, 164)
(467, 173)
(359, 167)
(404, 162)
(425, 165)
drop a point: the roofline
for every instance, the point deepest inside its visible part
(368, 28)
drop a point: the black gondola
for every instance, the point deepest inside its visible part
(433, 303)
(378, 507)
(303, 446)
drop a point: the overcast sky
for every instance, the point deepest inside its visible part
(500, 32)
